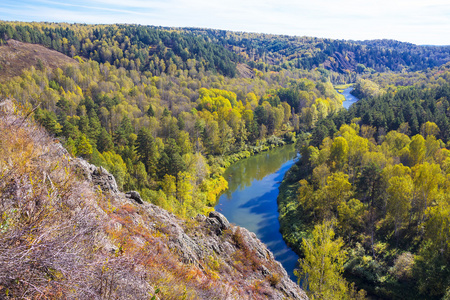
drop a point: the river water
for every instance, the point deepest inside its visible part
(349, 98)
(251, 199)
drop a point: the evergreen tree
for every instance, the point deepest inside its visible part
(104, 141)
(146, 150)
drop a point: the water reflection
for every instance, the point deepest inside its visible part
(251, 200)
(241, 174)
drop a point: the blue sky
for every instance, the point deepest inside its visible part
(418, 22)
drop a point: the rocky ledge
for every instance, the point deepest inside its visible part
(231, 254)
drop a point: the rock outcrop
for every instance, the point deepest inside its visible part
(135, 196)
(98, 176)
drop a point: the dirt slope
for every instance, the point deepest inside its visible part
(16, 56)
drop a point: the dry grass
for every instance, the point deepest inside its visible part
(16, 56)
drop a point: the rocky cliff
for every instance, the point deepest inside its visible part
(66, 231)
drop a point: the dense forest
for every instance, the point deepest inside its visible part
(170, 135)
(158, 49)
(166, 110)
(376, 177)
(133, 47)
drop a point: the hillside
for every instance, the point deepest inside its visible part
(276, 52)
(162, 112)
(67, 232)
(16, 56)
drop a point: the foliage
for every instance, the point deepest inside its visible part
(389, 201)
(63, 238)
(141, 127)
(321, 269)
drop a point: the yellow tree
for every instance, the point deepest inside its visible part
(429, 128)
(184, 191)
(323, 264)
(427, 177)
(417, 149)
(169, 186)
(399, 201)
(338, 153)
(337, 190)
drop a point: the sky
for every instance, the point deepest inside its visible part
(421, 22)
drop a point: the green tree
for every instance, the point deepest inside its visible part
(323, 264)
(146, 150)
(170, 161)
(150, 111)
(104, 141)
(122, 134)
(84, 147)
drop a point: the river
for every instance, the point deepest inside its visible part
(251, 199)
(349, 98)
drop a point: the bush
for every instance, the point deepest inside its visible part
(403, 266)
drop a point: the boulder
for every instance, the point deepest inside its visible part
(135, 196)
(222, 221)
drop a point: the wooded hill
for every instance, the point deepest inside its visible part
(280, 51)
(170, 135)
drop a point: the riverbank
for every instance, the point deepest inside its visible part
(290, 212)
(341, 87)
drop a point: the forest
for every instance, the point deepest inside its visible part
(373, 181)
(166, 110)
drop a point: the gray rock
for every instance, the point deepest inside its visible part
(98, 176)
(203, 243)
(135, 196)
(7, 106)
(223, 222)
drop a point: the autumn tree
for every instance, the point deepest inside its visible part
(323, 264)
(399, 199)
